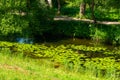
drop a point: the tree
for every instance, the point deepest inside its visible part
(113, 3)
(49, 3)
(82, 8)
(39, 18)
(59, 6)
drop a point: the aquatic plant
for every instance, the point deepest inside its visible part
(99, 60)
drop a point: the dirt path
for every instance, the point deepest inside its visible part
(65, 18)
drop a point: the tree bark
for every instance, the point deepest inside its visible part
(49, 3)
(82, 9)
(59, 6)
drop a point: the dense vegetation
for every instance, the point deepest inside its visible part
(35, 20)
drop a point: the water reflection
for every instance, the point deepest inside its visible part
(25, 40)
(75, 41)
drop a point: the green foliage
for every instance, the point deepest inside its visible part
(98, 32)
(40, 18)
(55, 3)
(71, 29)
(12, 19)
(21, 68)
(114, 36)
(74, 57)
(21, 19)
(104, 10)
(113, 3)
(70, 11)
(11, 26)
(105, 33)
(71, 8)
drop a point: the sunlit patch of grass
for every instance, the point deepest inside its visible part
(17, 68)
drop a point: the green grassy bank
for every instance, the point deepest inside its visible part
(62, 62)
(18, 68)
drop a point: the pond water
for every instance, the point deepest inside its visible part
(25, 40)
(66, 41)
(77, 41)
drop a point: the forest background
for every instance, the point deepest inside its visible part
(35, 19)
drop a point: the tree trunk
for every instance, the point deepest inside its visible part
(82, 9)
(49, 3)
(59, 6)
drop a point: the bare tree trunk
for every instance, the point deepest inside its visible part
(49, 3)
(59, 6)
(82, 9)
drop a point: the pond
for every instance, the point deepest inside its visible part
(66, 41)
(100, 59)
(25, 40)
(77, 41)
(78, 54)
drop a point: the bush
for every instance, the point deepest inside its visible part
(106, 33)
(98, 32)
(12, 26)
(71, 29)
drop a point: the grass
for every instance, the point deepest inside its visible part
(19, 68)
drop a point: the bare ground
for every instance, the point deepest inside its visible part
(10, 67)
